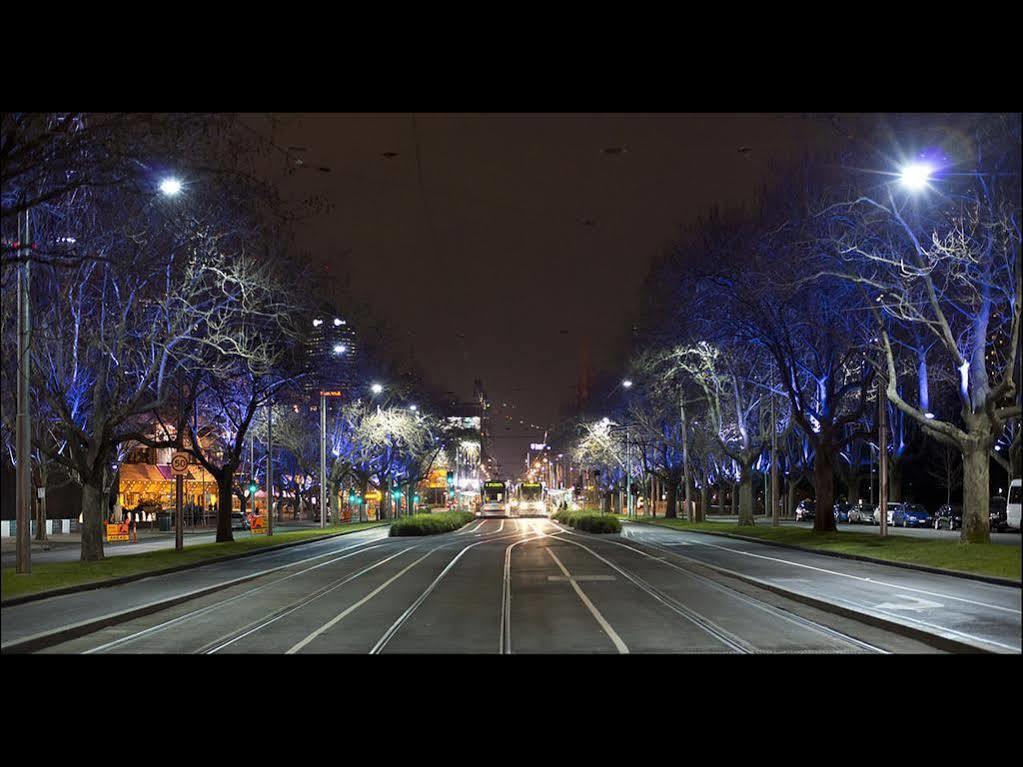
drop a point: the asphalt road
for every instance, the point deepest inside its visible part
(519, 586)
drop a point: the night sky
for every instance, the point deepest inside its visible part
(515, 239)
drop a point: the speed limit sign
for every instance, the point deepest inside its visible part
(179, 464)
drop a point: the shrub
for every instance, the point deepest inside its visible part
(589, 521)
(431, 524)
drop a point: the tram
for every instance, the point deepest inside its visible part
(494, 499)
(530, 501)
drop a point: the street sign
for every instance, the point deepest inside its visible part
(179, 464)
(117, 532)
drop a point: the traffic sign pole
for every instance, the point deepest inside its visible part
(179, 537)
(179, 465)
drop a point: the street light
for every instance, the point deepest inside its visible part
(413, 408)
(340, 348)
(170, 187)
(915, 176)
(376, 388)
(627, 383)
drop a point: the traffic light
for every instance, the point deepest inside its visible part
(415, 499)
(451, 477)
(253, 487)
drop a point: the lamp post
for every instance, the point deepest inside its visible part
(774, 468)
(23, 492)
(269, 472)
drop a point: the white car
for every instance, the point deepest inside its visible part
(877, 513)
(1012, 508)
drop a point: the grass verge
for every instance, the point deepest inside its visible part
(58, 575)
(590, 521)
(999, 561)
(431, 524)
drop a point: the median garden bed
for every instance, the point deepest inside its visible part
(431, 524)
(62, 575)
(589, 521)
(1001, 561)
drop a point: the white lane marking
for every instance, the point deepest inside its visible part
(618, 643)
(916, 604)
(582, 578)
(504, 643)
(723, 635)
(855, 577)
(501, 527)
(478, 526)
(394, 627)
(202, 611)
(309, 600)
(778, 612)
(340, 616)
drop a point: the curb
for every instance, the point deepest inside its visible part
(151, 573)
(994, 579)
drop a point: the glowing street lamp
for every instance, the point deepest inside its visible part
(340, 348)
(170, 187)
(413, 408)
(915, 176)
(627, 383)
(376, 388)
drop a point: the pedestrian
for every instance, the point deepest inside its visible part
(133, 526)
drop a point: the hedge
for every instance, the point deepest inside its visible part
(431, 524)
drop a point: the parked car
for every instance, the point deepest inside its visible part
(805, 511)
(842, 510)
(891, 510)
(861, 514)
(1012, 509)
(911, 515)
(239, 521)
(998, 513)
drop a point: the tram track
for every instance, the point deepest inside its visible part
(729, 638)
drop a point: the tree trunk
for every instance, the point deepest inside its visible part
(672, 492)
(745, 497)
(700, 514)
(976, 486)
(824, 486)
(385, 499)
(791, 503)
(735, 498)
(225, 502)
(895, 481)
(93, 518)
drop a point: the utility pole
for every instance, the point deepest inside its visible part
(269, 472)
(882, 453)
(628, 475)
(690, 511)
(23, 501)
(252, 465)
(323, 460)
(774, 467)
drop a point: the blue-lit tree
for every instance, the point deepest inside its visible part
(941, 261)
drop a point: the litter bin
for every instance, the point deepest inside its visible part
(163, 519)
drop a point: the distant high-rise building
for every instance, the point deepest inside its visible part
(330, 352)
